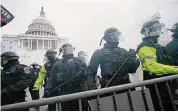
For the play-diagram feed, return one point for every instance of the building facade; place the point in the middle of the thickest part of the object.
(40, 35)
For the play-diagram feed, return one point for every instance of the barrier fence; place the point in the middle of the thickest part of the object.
(130, 100)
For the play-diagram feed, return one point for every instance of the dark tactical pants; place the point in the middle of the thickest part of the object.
(6, 100)
(51, 107)
(164, 96)
(162, 92)
(74, 104)
(34, 94)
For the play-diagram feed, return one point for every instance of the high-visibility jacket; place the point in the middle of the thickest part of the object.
(148, 56)
(41, 78)
(44, 75)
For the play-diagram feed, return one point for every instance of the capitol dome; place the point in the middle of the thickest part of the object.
(40, 26)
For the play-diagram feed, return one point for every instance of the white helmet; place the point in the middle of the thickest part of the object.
(152, 28)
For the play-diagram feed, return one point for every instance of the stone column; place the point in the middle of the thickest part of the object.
(48, 44)
(28, 44)
(37, 44)
(43, 44)
(31, 44)
(22, 44)
(56, 44)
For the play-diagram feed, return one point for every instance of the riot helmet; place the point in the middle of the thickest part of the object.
(111, 35)
(152, 28)
(50, 55)
(67, 49)
(8, 57)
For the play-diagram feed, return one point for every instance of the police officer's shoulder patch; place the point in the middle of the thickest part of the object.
(26, 70)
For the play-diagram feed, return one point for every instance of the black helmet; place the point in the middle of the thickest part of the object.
(8, 56)
(111, 35)
(51, 54)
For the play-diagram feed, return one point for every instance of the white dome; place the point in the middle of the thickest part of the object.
(40, 26)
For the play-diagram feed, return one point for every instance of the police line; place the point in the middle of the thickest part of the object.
(80, 95)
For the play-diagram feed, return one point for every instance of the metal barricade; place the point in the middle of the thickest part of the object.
(130, 100)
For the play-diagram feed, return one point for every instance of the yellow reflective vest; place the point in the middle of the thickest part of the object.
(148, 57)
(41, 78)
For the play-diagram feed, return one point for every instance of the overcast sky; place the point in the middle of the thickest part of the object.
(84, 21)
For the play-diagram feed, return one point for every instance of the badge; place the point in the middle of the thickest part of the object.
(26, 70)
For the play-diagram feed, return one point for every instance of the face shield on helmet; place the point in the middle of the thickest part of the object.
(152, 28)
(111, 36)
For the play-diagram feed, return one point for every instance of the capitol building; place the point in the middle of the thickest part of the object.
(32, 45)
(40, 35)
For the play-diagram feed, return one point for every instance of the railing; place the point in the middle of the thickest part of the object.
(78, 96)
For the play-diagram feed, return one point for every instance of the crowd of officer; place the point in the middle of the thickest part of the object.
(72, 74)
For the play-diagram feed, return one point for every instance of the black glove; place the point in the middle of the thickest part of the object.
(5, 91)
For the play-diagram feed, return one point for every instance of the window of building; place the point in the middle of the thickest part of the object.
(25, 43)
(45, 44)
(34, 44)
(40, 44)
(53, 44)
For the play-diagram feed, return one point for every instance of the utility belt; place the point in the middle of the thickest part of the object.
(118, 80)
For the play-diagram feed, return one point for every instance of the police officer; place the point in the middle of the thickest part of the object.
(115, 62)
(15, 78)
(155, 63)
(45, 75)
(172, 47)
(34, 68)
(68, 77)
(172, 50)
